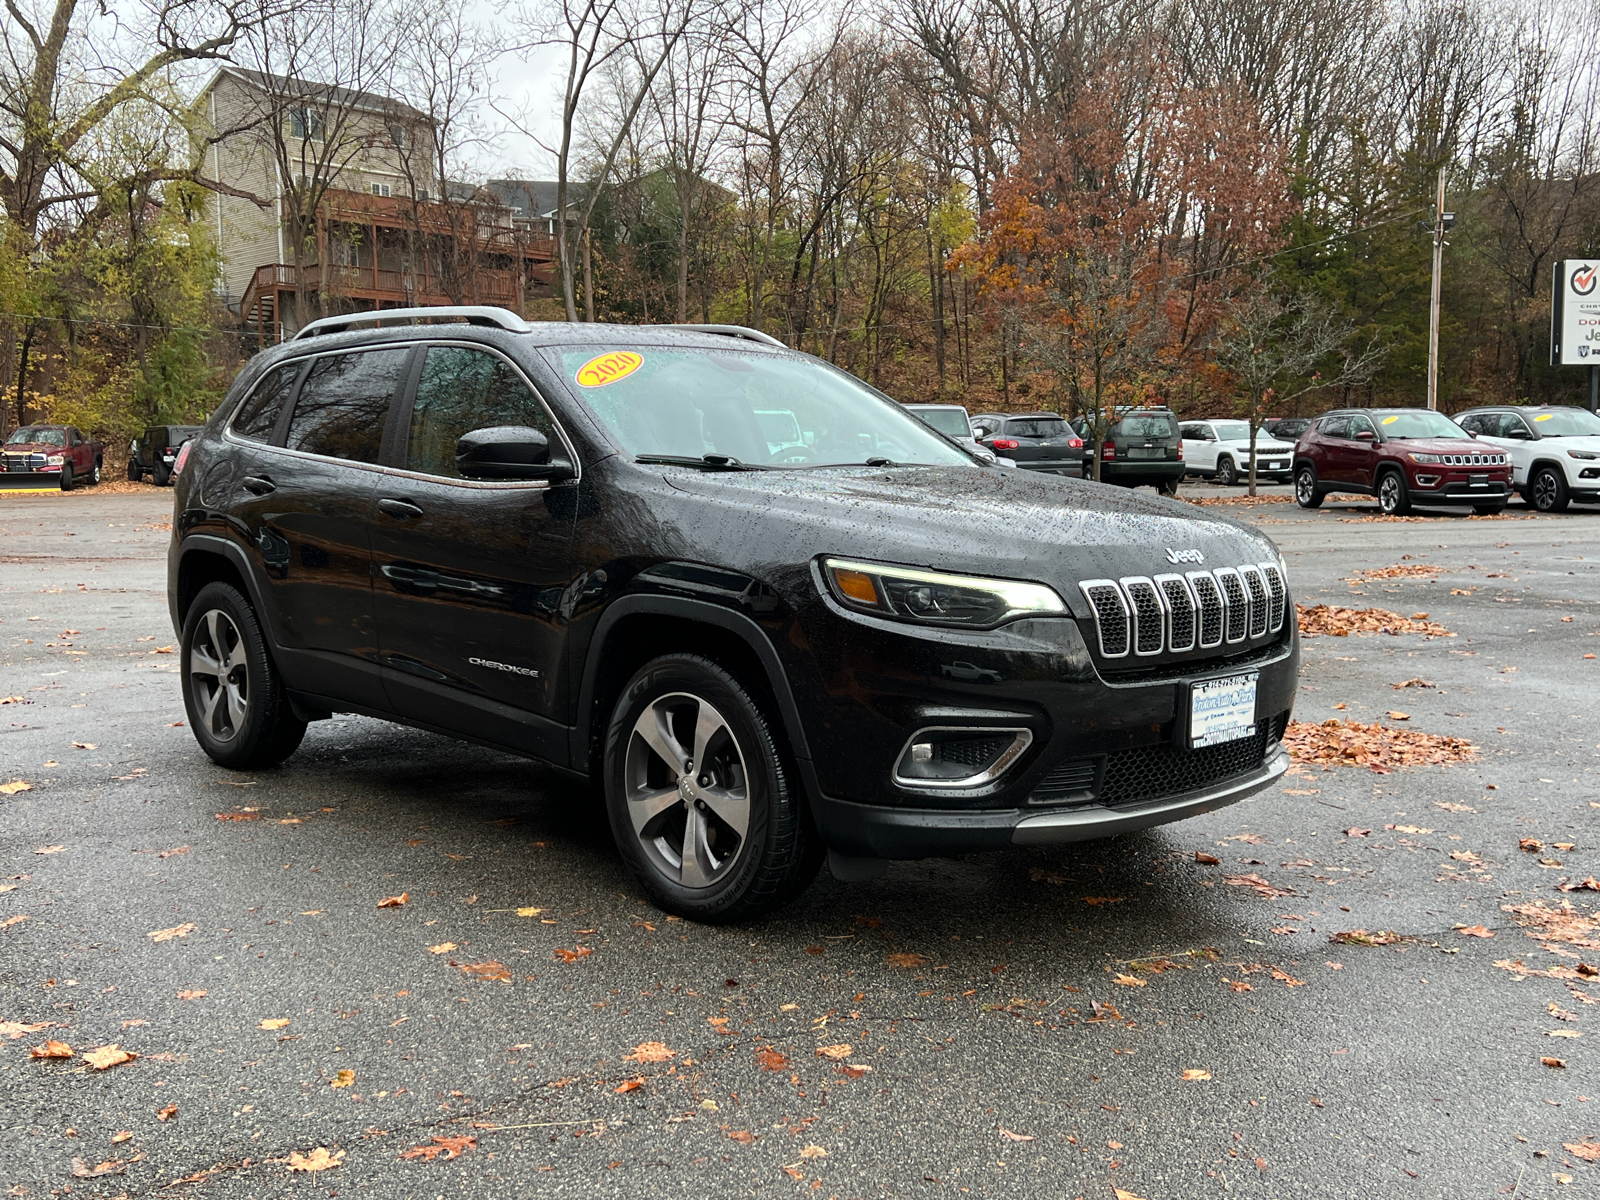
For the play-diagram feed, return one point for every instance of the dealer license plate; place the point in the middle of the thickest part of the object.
(1222, 710)
(1478, 480)
(1146, 452)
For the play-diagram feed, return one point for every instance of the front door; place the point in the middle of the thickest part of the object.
(307, 503)
(470, 575)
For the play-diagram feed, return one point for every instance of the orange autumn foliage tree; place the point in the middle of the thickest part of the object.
(1120, 232)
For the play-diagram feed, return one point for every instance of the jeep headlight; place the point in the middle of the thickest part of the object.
(934, 598)
(1586, 454)
(1425, 458)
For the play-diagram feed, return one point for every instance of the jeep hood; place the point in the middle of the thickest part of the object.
(1012, 524)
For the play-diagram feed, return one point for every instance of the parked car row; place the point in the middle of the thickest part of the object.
(60, 454)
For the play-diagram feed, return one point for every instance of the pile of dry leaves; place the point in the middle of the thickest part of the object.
(1210, 500)
(1402, 571)
(1379, 747)
(1333, 620)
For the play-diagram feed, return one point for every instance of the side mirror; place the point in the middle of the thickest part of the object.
(1518, 434)
(1366, 435)
(509, 452)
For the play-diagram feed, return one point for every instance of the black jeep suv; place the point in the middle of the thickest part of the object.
(771, 614)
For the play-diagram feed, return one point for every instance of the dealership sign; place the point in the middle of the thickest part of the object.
(1575, 313)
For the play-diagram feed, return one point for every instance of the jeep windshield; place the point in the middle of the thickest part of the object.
(1567, 422)
(39, 437)
(1418, 423)
(747, 409)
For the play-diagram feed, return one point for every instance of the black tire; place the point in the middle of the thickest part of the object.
(66, 477)
(778, 852)
(1488, 510)
(134, 474)
(94, 476)
(1169, 487)
(1547, 491)
(1306, 492)
(1227, 474)
(1394, 498)
(231, 687)
(160, 476)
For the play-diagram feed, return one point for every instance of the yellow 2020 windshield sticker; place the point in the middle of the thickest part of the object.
(1544, 416)
(1390, 420)
(608, 368)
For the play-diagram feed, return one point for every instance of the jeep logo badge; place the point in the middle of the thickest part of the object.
(1185, 556)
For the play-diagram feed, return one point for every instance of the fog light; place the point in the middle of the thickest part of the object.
(1589, 473)
(959, 758)
(1427, 480)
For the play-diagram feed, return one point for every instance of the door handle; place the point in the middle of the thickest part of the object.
(258, 484)
(401, 510)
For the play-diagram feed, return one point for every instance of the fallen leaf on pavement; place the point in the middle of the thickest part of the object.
(819, 1152)
(1196, 1073)
(49, 849)
(16, 1029)
(343, 1079)
(103, 1057)
(629, 1085)
(836, 1052)
(1417, 683)
(1104, 1012)
(85, 746)
(1395, 715)
(529, 911)
(1588, 1149)
(1262, 887)
(442, 948)
(15, 786)
(51, 1049)
(1378, 747)
(743, 1136)
(485, 970)
(569, 956)
(650, 1052)
(1531, 845)
(903, 959)
(121, 1136)
(1103, 899)
(194, 995)
(1287, 979)
(177, 931)
(1206, 860)
(82, 1170)
(1122, 1195)
(853, 1070)
(1360, 937)
(1129, 980)
(1239, 986)
(1591, 884)
(1333, 620)
(1566, 1033)
(771, 1060)
(1475, 931)
(318, 1160)
(167, 1113)
(273, 1023)
(1015, 1137)
(1558, 1063)
(1357, 831)
(16, 920)
(394, 901)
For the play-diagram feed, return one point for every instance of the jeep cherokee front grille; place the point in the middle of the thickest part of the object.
(1179, 613)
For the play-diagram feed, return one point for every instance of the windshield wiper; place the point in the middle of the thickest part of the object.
(717, 462)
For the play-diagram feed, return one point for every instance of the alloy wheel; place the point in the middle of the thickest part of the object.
(220, 675)
(687, 789)
(1389, 493)
(1544, 491)
(1304, 486)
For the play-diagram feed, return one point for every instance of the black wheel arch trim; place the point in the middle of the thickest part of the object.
(704, 612)
(208, 543)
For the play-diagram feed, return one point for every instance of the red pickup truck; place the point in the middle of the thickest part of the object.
(53, 452)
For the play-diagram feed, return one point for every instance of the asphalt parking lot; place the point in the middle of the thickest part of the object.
(1113, 1018)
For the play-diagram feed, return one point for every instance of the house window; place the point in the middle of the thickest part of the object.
(305, 124)
(380, 189)
(397, 136)
(422, 195)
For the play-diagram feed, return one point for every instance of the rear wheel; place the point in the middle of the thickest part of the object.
(134, 474)
(66, 477)
(1306, 492)
(1227, 473)
(704, 809)
(1169, 486)
(94, 476)
(1548, 491)
(1394, 498)
(231, 688)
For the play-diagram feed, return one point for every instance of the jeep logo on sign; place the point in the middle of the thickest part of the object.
(1185, 556)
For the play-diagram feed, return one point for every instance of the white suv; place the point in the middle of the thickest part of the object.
(1554, 450)
(1221, 450)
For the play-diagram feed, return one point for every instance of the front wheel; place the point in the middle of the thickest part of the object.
(1393, 496)
(1306, 492)
(134, 474)
(231, 688)
(66, 477)
(1548, 491)
(705, 811)
(1227, 474)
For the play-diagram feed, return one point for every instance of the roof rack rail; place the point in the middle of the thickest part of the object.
(738, 331)
(472, 314)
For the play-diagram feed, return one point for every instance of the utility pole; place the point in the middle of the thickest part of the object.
(1443, 222)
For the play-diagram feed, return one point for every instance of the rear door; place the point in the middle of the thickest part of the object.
(306, 497)
(472, 576)
(1199, 447)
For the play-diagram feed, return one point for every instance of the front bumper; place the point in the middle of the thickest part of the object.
(1454, 491)
(870, 831)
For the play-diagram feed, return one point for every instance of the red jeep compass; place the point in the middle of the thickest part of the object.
(1403, 456)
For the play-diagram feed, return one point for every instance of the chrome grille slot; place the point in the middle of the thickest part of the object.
(1213, 608)
(1258, 600)
(1277, 592)
(1149, 618)
(1238, 600)
(1110, 615)
(1180, 612)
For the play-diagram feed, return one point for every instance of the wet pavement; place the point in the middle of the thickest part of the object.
(1066, 1022)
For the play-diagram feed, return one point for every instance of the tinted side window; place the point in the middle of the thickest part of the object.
(1360, 424)
(258, 415)
(344, 403)
(1334, 427)
(462, 389)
